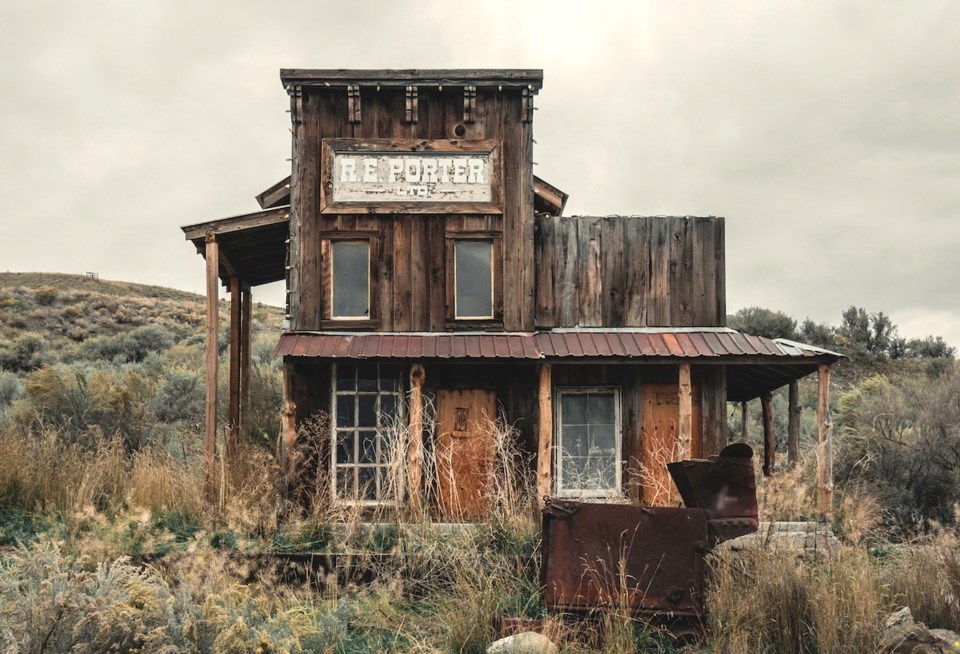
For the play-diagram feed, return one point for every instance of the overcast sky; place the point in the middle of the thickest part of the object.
(827, 133)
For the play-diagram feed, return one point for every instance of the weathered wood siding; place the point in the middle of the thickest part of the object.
(629, 271)
(409, 269)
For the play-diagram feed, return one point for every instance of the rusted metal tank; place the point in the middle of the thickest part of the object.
(648, 558)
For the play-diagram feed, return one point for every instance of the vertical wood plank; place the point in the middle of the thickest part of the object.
(210, 417)
(288, 428)
(402, 300)
(415, 449)
(612, 269)
(545, 249)
(590, 282)
(744, 422)
(437, 254)
(513, 163)
(825, 444)
(419, 276)
(636, 244)
(567, 264)
(524, 199)
(720, 282)
(769, 452)
(685, 421)
(545, 432)
(246, 317)
(793, 424)
(307, 209)
(385, 285)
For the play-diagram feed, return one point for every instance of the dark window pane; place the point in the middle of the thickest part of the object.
(367, 377)
(345, 486)
(603, 439)
(600, 409)
(388, 408)
(367, 480)
(389, 377)
(346, 377)
(474, 279)
(345, 414)
(575, 441)
(351, 277)
(368, 410)
(368, 447)
(345, 447)
(574, 409)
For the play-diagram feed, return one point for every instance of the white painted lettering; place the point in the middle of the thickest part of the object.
(396, 168)
(429, 171)
(348, 170)
(370, 171)
(459, 171)
(476, 171)
(443, 165)
(412, 170)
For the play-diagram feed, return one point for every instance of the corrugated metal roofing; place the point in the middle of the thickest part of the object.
(557, 344)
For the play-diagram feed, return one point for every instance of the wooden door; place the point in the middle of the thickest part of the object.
(464, 452)
(660, 415)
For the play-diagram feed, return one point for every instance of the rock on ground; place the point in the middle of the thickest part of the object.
(903, 635)
(527, 642)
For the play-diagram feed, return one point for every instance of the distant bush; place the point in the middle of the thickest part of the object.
(904, 441)
(23, 354)
(180, 396)
(763, 322)
(131, 347)
(11, 388)
(46, 295)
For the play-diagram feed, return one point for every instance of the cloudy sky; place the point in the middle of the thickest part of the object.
(827, 133)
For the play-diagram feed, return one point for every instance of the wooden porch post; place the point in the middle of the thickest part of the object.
(744, 423)
(793, 425)
(288, 428)
(685, 426)
(415, 451)
(769, 453)
(245, 318)
(825, 445)
(545, 433)
(233, 422)
(210, 418)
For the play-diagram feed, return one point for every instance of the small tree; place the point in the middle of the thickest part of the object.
(763, 322)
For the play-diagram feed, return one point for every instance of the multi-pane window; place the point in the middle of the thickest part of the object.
(588, 442)
(473, 279)
(350, 279)
(367, 409)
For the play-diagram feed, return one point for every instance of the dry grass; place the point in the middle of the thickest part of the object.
(926, 577)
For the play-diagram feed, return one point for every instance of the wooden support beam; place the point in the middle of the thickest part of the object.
(210, 418)
(233, 413)
(769, 453)
(744, 422)
(825, 444)
(545, 432)
(288, 430)
(685, 420)
(415, 449)
(246, 316)
(793, 425)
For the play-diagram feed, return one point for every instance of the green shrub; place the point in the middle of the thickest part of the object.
(180, 396)
(25, 353)
(46, 295)
(11, 388)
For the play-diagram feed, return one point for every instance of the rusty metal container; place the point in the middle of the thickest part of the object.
(648, 558)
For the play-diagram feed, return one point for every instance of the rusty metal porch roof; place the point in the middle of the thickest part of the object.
(639, 343)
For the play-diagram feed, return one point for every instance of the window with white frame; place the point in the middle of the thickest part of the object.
(367, 408)
(350, 280)
(588, 459)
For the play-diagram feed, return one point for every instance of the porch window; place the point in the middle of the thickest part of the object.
(367, 409)
(588, 442)
(473, 275)
(350, 279)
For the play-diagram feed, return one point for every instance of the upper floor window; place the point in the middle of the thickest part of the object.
(350, 280)
(473, 279)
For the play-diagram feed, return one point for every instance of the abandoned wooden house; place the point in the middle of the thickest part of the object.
(433, 283)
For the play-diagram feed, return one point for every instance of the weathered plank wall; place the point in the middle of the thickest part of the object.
(410, 267)
(629, 271)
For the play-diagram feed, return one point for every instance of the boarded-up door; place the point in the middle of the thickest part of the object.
(464, 451)
(660, 416)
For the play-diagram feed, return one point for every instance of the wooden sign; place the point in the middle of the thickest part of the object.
(411, 176)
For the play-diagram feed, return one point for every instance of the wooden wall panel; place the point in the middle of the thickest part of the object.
(627, 271)
(411, 266)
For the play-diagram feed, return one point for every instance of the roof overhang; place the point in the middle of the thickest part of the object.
(755, 365)
(528, 78)
(252, 246)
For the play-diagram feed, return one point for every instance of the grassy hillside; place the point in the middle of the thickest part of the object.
(101, 403)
